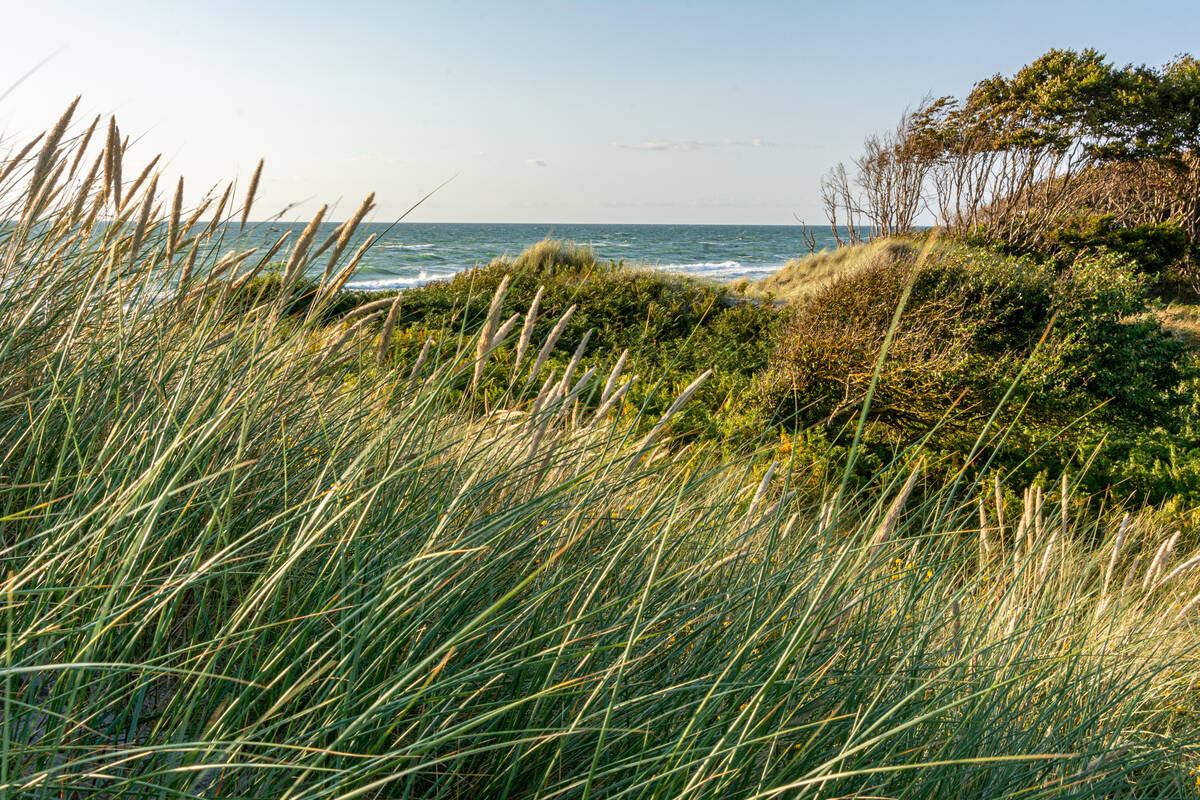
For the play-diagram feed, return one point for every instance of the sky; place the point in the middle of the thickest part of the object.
(644, 111)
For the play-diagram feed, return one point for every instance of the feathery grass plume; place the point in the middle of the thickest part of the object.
(139, 232)
(576, 357)
(761, 492)
(228, 263)
(297, 262)
(505, 329)
(893, 514)
(1185, 567)
(483, 347)
(137, 184)
(49, 188)
(345, 272)
(1159, 562)
(551, 340)
(999, 508)
(985, 547)
(613, 376)
(218, 218)
(332, 350)
(1116, 552)
(49, 152)
(11, 163)
(185, 277)
(113, 153)
(82, 146)
(1065, 507)
(173, 225)
(611, 401)
(421, 357)
(81, 194)
(250, 190)
(367, 308)
(1038, 517)
(344, 233)
(539, 402)
(385, 335)
(671, 411)
(527, 331)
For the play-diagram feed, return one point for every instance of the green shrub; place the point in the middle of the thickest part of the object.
(1155, 249)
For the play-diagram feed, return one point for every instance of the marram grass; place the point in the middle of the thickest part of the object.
(236, 564)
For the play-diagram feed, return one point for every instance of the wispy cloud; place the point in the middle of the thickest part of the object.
(692, 144)
(536, 162)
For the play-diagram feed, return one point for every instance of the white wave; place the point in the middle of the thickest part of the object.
(407, 246)
(703, 266)
(377, 284)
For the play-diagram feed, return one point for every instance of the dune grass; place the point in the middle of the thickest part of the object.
(247, 554)
(802, 278)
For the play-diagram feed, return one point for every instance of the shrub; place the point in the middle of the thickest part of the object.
(1154, 249)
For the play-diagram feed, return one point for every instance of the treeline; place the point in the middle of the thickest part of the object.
(1072, 152)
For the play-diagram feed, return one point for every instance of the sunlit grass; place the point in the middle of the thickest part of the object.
(250, 555)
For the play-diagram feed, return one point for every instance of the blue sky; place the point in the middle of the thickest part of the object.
(545, 112)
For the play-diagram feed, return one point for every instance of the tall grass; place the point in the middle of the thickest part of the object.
(801, 278)
(247, 554)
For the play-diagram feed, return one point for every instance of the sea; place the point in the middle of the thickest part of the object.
(410, 254)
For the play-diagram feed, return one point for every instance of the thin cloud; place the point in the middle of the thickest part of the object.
(536, 162)
(692, 144)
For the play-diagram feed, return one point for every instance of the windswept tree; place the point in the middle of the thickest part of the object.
(1070, 135)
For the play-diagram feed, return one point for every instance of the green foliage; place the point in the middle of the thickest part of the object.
(673, 328)
(1153, 248)
(981, 327)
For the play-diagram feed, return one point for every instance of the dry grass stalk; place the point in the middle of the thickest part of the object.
(1116, 553)
(81, 195)
(614, 376)
(505, 330)
(575, 359)
(173, 225)
(49, 152)
(367, 308)
(82, 147)
(1065, 509)
(350, 331)
(527, 331)
(893, 513)
(551, 340)
(137, 184)
(10, 164)
(344, 233)
(761, 492)
(113, 153)
(345, 272)
(420, 362)
(483, 346)
(683, 397)
(250, 193)
(1185, 567)
(385, 336)
(139, 232)
(999, 508)
(1159, 562)
(985, 547)
(296, 263)
(1038, 527)
(615, 397)
(541, 400)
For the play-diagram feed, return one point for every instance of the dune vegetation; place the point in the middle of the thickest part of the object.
(559, 529)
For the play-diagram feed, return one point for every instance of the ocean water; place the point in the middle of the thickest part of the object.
(409, 254)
